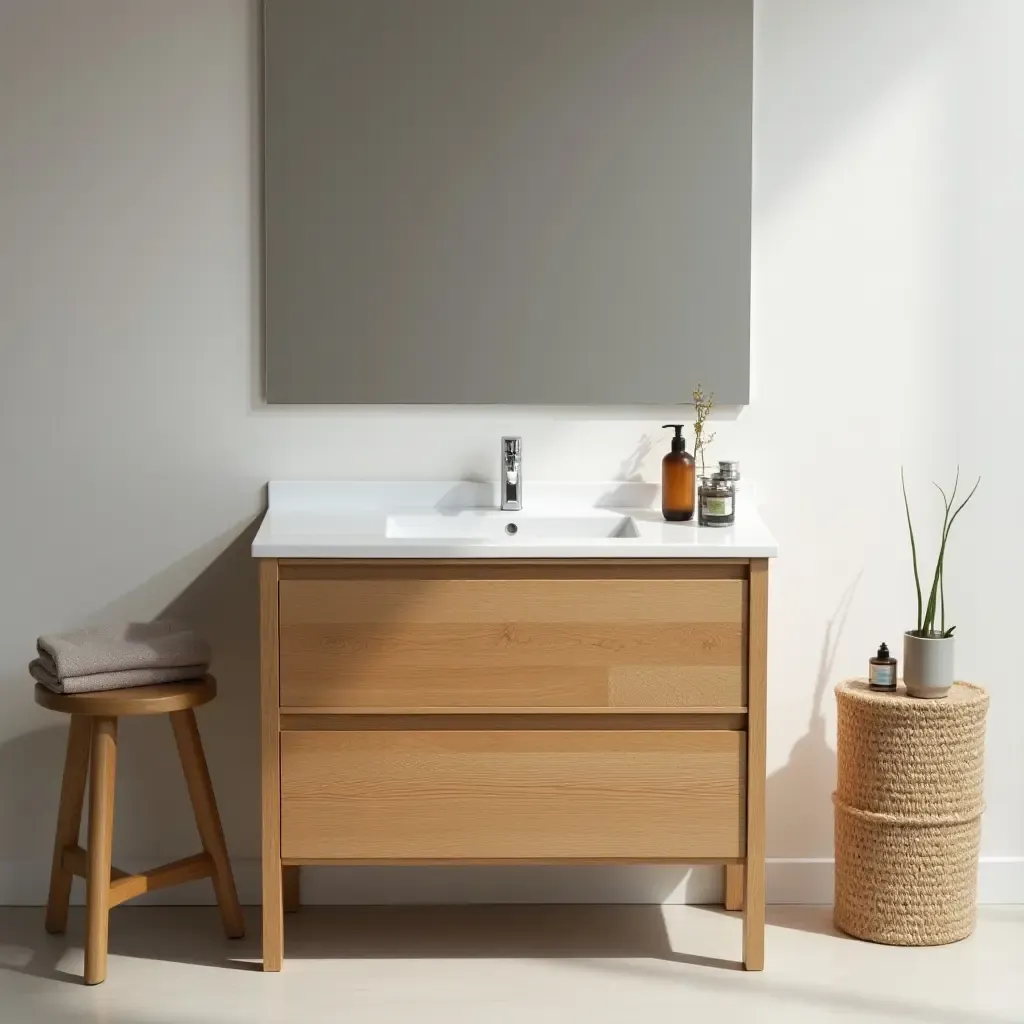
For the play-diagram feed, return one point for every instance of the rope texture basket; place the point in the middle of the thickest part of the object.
(908, 807)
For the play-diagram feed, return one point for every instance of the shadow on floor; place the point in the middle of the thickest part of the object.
(597, 942)
(188, 935)
(817, 920)
(192, 935)
(488, 932)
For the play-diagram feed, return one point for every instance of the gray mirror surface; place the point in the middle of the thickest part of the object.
(507, 201)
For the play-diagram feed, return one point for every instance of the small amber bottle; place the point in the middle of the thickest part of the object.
(678, 474)
(882, 670)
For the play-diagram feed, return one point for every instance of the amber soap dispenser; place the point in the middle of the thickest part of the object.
(678, 475)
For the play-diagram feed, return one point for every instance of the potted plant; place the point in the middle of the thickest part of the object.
(928, 650)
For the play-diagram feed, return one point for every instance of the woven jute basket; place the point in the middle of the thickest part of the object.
(908, 807)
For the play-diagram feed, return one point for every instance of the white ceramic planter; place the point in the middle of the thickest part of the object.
(928, 665)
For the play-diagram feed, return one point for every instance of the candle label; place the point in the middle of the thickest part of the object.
(718, 506)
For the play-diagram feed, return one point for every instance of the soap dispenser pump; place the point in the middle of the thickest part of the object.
(678, 475)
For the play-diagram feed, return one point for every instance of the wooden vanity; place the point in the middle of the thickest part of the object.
(513, 711)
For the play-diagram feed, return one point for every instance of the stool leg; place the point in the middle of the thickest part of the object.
(204, 805)
(69, 822)
(734, 886)
(101, 834)
(291, 885)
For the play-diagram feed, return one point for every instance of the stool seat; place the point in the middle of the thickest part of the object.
(154, 699)
(92, 755)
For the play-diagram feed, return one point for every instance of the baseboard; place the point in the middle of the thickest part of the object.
(790, 880)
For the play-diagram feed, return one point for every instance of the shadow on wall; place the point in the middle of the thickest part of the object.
(155, 820)
(218, 596)
(828, 65)
(798, 796)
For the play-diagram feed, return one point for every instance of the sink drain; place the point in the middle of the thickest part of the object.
(511, 529)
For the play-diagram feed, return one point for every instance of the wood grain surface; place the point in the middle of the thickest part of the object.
(754, 873)
(512, 794)
(404, 644)
(270, 760)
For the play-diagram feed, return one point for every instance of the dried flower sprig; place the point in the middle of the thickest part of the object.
(701, 437)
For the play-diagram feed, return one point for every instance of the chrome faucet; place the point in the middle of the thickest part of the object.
(511, 474)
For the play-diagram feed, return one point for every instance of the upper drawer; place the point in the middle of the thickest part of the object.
(401, 644)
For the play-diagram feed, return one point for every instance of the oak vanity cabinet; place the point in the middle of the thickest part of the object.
(513, 711)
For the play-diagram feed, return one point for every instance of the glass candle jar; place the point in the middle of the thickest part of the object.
(702, 483)
(717, 501)
(730, 470)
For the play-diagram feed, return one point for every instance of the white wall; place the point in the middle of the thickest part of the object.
(133, 447)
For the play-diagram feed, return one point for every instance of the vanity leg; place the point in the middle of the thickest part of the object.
(270, 782)
(291, 884)
(273, 914)
(757, 686)
(754, 917)
(733, 886)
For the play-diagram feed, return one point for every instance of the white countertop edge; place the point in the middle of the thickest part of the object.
(272, 547)
(305, 520)
(419, 550)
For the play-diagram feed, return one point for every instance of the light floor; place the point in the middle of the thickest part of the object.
(495, 965)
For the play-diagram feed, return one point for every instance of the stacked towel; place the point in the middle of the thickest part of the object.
(113, 657)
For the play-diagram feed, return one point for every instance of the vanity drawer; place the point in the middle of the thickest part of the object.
(491, 643)
(512, 795)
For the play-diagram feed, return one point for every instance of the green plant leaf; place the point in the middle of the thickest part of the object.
(947, 527)
(948, 633)
(913, 548)
(942, 602)
(960, 507)
(929, 615)
(929, 612)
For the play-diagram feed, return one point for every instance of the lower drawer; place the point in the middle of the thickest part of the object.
(512, 795)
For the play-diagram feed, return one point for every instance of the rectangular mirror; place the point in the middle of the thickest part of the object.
(507, 201)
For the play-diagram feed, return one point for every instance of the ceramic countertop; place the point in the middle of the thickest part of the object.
(339, 519)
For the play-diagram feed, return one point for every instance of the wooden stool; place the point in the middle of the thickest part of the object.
(92, 741)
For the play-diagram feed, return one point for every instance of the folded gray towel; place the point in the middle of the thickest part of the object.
(114, 680)
(132, 645)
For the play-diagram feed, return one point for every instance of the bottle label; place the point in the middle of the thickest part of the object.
(718, 506)
(882, 677)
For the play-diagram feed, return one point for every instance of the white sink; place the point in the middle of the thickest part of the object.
(489, 526)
